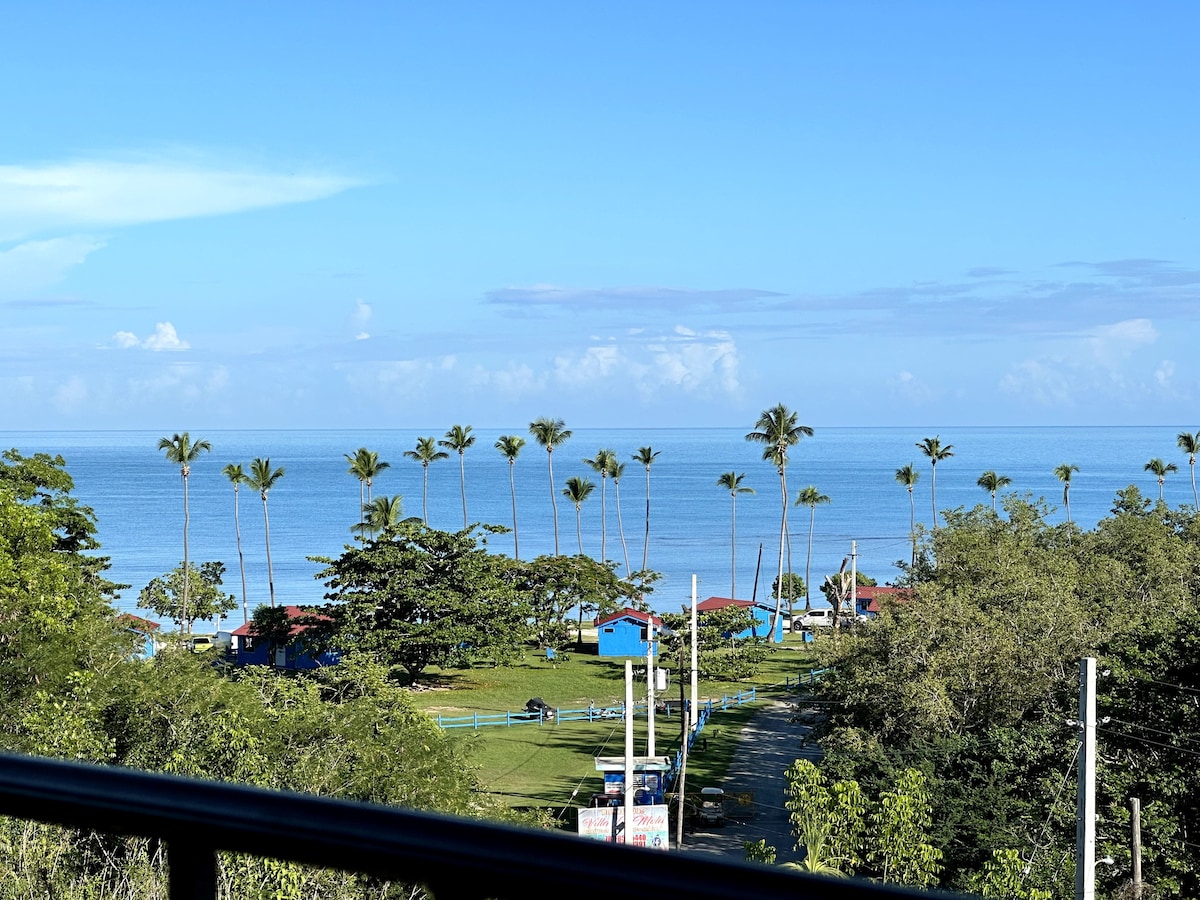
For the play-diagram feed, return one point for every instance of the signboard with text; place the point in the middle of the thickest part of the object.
(650, 826)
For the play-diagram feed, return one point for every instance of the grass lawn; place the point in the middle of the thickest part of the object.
(551, 765)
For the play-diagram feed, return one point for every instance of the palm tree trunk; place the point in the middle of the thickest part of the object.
(237, 529)
(933, 492)
(579, 527)
(512, 487)
(646, 541)
(184, 625)
(425, 494)
(1195, 496)
(912, 522)
(362, 505)
(1067, 500)
(603, 518)
(553, 501)
(782, 540)
(732, 546)
(812, 519)
(267, 531)
(621, 527)
(462, 481)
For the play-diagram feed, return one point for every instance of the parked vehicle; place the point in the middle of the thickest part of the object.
(201, 643)
(712, 806)
(537, 707)
(817, 618)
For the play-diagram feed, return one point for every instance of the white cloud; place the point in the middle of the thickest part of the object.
(71, 394)
(164, 338)
(1164, 373)
(36, 265)
(1118, 340)
(92, 193)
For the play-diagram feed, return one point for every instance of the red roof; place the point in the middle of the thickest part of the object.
(129, 620)
(872, 594)
(293, 612)
(723, 602)
(631, 613)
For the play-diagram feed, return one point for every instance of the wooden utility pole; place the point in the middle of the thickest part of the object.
(683, 753)
(1085, 807)
(1135, 844)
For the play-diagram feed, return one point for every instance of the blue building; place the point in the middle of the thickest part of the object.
(146, 632)
(762, 617)
(248, 650)
(630, 632)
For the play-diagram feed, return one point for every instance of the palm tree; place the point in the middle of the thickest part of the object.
(181, 451)
(814, 838)
(932, 447)
(458, 439)
(646, 456)
(991, 482)
(810, 497)
(1190, 444)
(365, 465)
(237, 477)
(1161, 470)
(578, 490)
(908, 476)
(601, 463)
(550, 433)
(1063, 474)
(510, 446)
(615, 471)
(262, 479)
(426, 452)
(778, 430)
(382, 513)
(732, 482)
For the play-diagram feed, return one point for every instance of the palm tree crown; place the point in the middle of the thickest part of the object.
(602, 462)
(991, 482)
(908, 476)
(238, 477)
(550, 433)
(365, 465)
(936, 451)
(645, 457)
(425, 452)
(262, 479)
(1063, 474)
(1160, 469)
(459, 439)
(1190, 444)
(811, 498)
(510, 446)
(578, 490)
(382, 513)
(180, 449)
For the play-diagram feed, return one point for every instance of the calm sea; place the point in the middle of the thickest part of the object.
(137, 496)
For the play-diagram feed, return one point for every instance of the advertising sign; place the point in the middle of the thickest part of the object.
(650, 826)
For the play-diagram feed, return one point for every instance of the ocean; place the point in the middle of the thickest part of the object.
(138, 499)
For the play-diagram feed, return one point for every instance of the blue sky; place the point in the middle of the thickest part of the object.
(623, 214)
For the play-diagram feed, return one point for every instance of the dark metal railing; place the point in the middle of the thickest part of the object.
(458, 859)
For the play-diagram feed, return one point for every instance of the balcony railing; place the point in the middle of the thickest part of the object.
(457, 859)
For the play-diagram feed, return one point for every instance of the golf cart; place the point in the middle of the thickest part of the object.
(712, 806)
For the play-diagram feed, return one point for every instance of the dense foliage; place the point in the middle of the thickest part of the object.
(974, 681)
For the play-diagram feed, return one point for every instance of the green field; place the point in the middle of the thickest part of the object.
(551, 765)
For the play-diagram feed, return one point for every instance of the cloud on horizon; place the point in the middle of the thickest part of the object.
(164, 338)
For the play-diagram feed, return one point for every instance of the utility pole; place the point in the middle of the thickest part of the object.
(1085, 807)
(683, 751)
(628, 747)
(1135, 844)
(853, 611)
(694, 712)
(651, 672)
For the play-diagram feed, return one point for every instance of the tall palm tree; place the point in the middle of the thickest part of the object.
(182, 451)
(550, 433)
(778, 429)
(237, 477)
(458, 439)
(908, 476)
(382, 513)
(1190, 444)
(601, 463)
(991, 482)
(646, 456)
(1063, 474)
(936, 451)
(426, 452)
(262, 479)
(810, 497)
(1160, 469)
(578, 490)
(732, 482)
(616, 470)
(365, 465)
(510, 446)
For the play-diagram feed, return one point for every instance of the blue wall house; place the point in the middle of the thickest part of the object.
(762, 617)
(867, 598)
(248, 650)
(625, 633)
(145, 631)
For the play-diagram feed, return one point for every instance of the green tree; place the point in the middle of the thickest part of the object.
(811, 498)
(602, 463)
(1190, 444)
(425, 452)
(182, 451)
(732, 482)
(551, 433)
(365, 465)
(1160, 470)
(645, 457)
(553, 587)
(382, 513)
(510, 446)
(900, 826)
(1063, 474)
(417, 597)
(578, 490)
(991, 482)
(237, 477)
(936, 452)
(164, 595)
(727, 645)
(262, 479)
(616, 471)
(778, 429)
(459, 439)
(908, 476)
